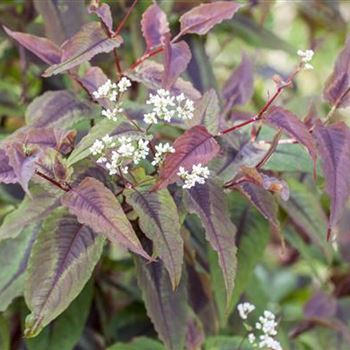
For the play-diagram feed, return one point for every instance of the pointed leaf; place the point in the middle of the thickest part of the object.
(154, 25)
(96, 206)
(337, 86)
(103, 11)
(62, 260)
(88, 42)
(166, 308)
(209, 203)
(333, 144)
(195, 146)
(45, 49)
(7, 174)
(159, 221)
(204, 17)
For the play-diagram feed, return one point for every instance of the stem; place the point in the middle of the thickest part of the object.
(122, 23)
(238, 126)
(145, 56)
(52, 181)
(270, 151)
(336, 105)
(117, 62)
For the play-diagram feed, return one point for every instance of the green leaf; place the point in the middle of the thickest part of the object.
(141, 343)
(226, 343)
(65, 331)
(159, 221)
(166, 308)
(5, 336)
(62, 260)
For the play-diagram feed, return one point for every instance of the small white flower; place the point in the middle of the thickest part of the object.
(126, 149)
(106, 90)
(123, 84)
(112, 114)
(268, 342)
(150, 118)
(161, 149)
(125, 169)
(141, 151)
(197, 175)
(251, 338)
(97, 148)
(244, 309)
(306, 57)
(267, 323)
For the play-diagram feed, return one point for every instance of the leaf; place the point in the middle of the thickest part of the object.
(221, 342)
(103, 11)
(14, 254)
(154, 25)
(65, 331)
(62, 260)
(87, 43)
(31, 210)
(204, 17)
(206, 112)
(333, 143)
(159, 221)
(176, 59)
(96, 206)
(195, 146)
(166, 308)
(195, 334)
(337, 87)
(238, 89)
(150, 74)
(209, 203)
(56, 108)
(137, 344)
(7, 174)
(45, 49)
(5, 335)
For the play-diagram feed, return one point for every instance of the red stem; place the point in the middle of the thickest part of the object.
(122, 23)
(145, 56)
(65, 188)
(238, 126)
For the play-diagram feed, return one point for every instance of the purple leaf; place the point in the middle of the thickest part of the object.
(166, 308)
(159, 221)
(7, 174)
(154, 26)
(96, 206)
(282, 119)
(103, 11)
(337, 86)
(333, 143)
(321, 305)
(238, 88)
(151, 73)
(84, 45)
(204, 17)
(195, 146)
(209, 203)
(56, 108)
(195, 336)
(176, 58)
(62, 260)
(45, 49)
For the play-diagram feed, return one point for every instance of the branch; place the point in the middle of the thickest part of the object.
(65, 187)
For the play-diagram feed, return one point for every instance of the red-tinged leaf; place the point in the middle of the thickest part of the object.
(56, 108)
(209, 203)
(195, 336)
(321, 305)
(282, 119)
(239, 87)
(45, 49)
(195, 146)
(159, 221)
(204, 17)
(96, 206)
(151, 73)
(62, 260)
(84, 45)
(176, 59)
(7, 174)
(166, 308)
(333, 144)
(337, 86)
(154, 26)
(103, 11)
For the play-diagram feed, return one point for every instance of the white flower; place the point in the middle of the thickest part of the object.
(112, 114)
(251, 338)
(141, 151)
(244, 309)
(125, 169)
(267, 323)
(123, 84)
(107, 90)
(97, 148)
(150, 118)
(306, 57)
(268, 342)
(126, 149)
(161, 149)
(197, 175)
(185, 110)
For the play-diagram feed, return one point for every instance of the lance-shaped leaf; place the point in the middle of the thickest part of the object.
(44, 199)
(88, 42)
(204, 17)
(209, 203)
(103, 11)
(14, 255)
(159, 221)
(62, 260)
(195, 146)
(337, 88)
(282, 119)
(7, 174)
(45, 49)
(239, 87)
(333, 144)
(154, 25)
(166, 308)
(56, 108)
(176, 59)
(96, 206)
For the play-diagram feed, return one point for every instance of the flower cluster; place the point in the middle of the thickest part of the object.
(266, 327)
(198, 175)
(166, 107)
(306, 57)
(161, 150)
